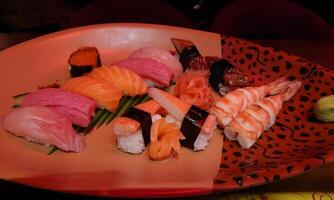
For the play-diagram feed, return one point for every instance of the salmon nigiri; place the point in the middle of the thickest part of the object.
(127, 81)
(106, 94)
(248, 125)
(43, 125)
(197, 125)
(230, 105)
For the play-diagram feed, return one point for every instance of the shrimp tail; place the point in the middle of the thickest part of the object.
(278, 85)
(292, 89)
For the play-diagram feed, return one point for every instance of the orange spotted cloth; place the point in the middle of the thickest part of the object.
(296, 143)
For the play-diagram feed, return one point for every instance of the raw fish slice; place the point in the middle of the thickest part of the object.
(148, 69)
(43, 125)
(160, 55)
(76, 117)
(78, 108)
(249, 124)
(127, 81)
(106, 94)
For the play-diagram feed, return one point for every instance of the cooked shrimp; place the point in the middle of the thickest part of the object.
(164, 140)
(125, 126)
(248, 125)
(229, 106)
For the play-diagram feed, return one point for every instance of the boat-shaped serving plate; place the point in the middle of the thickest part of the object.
(295, 144)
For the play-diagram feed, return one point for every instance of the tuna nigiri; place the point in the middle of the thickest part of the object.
(230, 105)
(106, 94)
(197, 125)
(248, 125)
(43, 125)
(160, 55)
(127, 81)
(148, 68)
(78, 108)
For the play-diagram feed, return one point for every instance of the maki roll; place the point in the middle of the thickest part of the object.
(133, 129)
(84, 60)
(196, 124)
(223, 75)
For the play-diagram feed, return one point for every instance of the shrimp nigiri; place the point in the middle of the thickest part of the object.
(229, 106)
(248, 125)
(106, 94)
(124, 79)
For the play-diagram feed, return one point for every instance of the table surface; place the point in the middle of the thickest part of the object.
(320, 179)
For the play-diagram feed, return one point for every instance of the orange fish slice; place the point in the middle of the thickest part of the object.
(124, 79)
(106, 94)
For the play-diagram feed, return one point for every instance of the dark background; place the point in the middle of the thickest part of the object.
(49, 16)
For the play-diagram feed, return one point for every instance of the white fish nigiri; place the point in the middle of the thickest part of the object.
(43, 125)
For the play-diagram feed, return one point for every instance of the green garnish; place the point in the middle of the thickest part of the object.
(18, 99)
(52, 150)
(16, 106)
(123, 101)
(103, 118)
(125, 107)
(20, 95)
(95, 120)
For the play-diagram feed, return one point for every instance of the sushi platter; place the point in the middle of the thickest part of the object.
(139, 110)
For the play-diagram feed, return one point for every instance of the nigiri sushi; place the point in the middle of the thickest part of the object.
(230, 105)
(106, 94)
(78, 108)
(132, 130)
(148, 68)
(127, 81)
(43, 125)
(160, 55)
(197, 125)
(248, 125)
